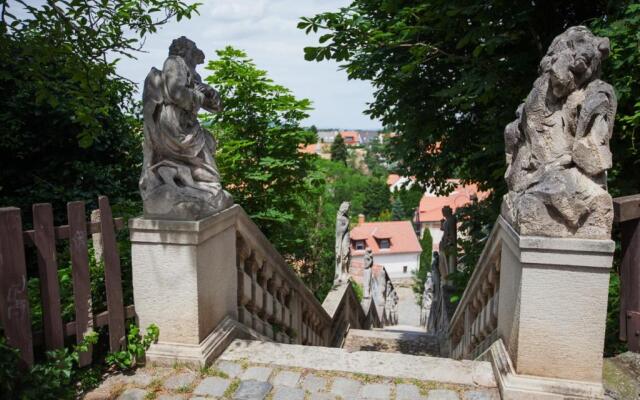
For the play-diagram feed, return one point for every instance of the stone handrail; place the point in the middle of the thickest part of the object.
(207, 282)
(473, 326)
(346, 312)
(271, 295)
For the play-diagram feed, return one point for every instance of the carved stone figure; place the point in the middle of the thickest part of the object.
(557, 149)
(180, 179)
(343, 244)
(367, 273)
(448, 244)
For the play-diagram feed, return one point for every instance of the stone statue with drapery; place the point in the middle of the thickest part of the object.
(180, 179)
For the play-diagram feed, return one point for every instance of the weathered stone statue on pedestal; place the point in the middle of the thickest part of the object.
(367, 273)
(557, 149)
(180, 179)
(343, 244)
(448, 244)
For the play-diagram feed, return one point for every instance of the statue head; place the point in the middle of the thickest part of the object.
(368, 251)
(573, 59)
(447, 211)
(187, 49)
(344, 208)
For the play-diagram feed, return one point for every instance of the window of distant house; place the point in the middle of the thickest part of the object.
(359, 244)
(404, 269)
(384, 243)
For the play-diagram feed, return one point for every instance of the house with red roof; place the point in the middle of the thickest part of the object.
(351, 138)
(394, 244)
(429, 212)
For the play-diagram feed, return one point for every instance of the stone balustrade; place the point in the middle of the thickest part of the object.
(272, 300)
(524, 303)
(207, 282)
(473, 327)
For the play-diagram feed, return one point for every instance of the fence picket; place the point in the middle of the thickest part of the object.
(80, 273)
(113, 279)
(15, 313)
(48, 273)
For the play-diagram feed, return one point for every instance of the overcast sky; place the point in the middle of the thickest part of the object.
(266, 30)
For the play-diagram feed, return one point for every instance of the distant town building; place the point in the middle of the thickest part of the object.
(367, 137)
(429, 212)
(397, 182)
(327, 136)
(394, 244)
(351, 138)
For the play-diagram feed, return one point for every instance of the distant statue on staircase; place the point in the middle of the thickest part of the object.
(448, 248)
(343, 244)
(367, 273)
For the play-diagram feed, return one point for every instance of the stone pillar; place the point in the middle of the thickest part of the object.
(185, 282)
(553, 304)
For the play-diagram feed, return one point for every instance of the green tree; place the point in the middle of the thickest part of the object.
(410, 198)
(258, 153)
(339, 150)
(397, 210)
(377, 198)
(70, 128)
(425, 265)
(449, 75)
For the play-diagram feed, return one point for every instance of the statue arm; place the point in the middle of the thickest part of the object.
(176, 80)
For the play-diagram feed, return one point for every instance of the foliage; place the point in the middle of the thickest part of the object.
(377, 198)
(612, 343)
(397, 210)
(410, 198)
(622, 69)
(358, 290)
(425, 266)
(259, 137)
(137, 345)
(375, 159)
(51, 379)
(70, 127)
(71, 40)
(339, 150)
(449, 75)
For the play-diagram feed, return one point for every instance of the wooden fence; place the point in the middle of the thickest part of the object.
(15, 310)
(627, 215)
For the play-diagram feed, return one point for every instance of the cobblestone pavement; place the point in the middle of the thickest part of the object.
(244, 381)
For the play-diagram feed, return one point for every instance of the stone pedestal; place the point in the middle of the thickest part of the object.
(553, 304)
(185, 282)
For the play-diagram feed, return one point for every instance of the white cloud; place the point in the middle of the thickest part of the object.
(266, 30)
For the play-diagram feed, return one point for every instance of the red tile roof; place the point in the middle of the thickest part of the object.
(430, 208)
(401, 235)
(392, 179)
(309, 149)
(350, 137)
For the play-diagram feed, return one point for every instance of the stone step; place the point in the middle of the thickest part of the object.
(390, 365)
(271, 371)
(413, 342)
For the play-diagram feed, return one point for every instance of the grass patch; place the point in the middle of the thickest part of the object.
(231, 389)
(213, 371)
(150, 396)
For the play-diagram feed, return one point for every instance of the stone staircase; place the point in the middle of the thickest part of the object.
(259, 370)
(405, 339)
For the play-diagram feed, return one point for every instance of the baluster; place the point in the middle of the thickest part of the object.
(244, 281)
(257, 293)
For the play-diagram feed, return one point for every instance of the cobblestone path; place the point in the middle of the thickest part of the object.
(245, 381)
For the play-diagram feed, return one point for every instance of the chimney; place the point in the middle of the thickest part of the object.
(360, 219)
